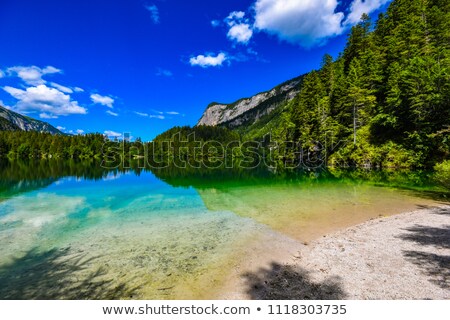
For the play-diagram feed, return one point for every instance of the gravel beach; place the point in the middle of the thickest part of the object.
(406, 256)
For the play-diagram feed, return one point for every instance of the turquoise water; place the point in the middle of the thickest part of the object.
(120, 235)
(148, 234)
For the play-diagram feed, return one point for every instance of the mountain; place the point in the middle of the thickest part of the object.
(247, 111)
(12, 121)
(6, 125)
(383, 102)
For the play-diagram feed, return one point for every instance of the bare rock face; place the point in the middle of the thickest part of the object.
(213, 115)
(14, 121)
(250, 109)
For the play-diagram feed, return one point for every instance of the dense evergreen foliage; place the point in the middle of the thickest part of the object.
(442, 174)
(387, 95)
(37, 145)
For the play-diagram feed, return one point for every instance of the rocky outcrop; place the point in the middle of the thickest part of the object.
(249, 110)
(11, 120)
(5, 125)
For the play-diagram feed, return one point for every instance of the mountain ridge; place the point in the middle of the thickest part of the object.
(249, 110)
(13, 121)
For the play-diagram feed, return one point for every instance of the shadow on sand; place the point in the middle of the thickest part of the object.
(428, 236)
(437, 267)
(58, 274)
(286, 282)
(436, 209)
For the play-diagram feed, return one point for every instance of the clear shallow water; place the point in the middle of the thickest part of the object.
(124, 235)
(138, 231)
(306, 211)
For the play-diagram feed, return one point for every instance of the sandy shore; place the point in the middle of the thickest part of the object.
(406, 256)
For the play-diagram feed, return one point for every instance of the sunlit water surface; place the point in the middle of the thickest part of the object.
(128, 236)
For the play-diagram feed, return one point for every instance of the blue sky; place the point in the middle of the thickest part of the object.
(145, 66)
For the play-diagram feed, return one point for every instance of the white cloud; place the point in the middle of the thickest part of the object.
(157, 116)
(110, 133)
(241, 33)
(50, 102)
(112, 113)
(208, 60)
(163, 72)
(141, 114)
(358, 7)
(79, 131)
(45, 115)
(103, 100)
(154, 11)
(233, 17)
(240, 29)
(32, 75)
(61, 88)
(308, 22)
(2, 74)
(13, 91)
(215, 23)
(173, 113)
(50, 69)
(61, 128)
(298, 21)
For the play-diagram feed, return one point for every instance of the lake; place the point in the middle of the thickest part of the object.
(77, 231)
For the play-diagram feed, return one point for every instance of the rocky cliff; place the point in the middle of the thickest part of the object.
(249, 110)
(5, 125)
(10, 120)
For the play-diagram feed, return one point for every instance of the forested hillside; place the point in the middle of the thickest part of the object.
(38, 145)
(384, 102)
(387, 95)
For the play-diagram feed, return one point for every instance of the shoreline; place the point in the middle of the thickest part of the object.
(404, 256)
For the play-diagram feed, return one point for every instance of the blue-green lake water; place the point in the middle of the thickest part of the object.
(121, 235)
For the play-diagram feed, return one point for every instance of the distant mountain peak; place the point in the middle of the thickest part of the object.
(247, 111)
(13, 121)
